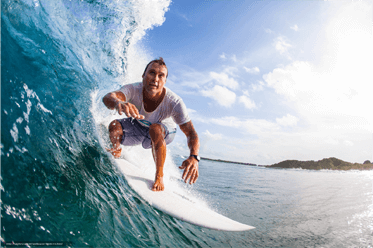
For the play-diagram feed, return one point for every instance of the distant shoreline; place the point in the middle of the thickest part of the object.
(324, 164)
(226, 161)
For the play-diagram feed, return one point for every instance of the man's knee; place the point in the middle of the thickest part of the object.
(156, 131)
(115, 126)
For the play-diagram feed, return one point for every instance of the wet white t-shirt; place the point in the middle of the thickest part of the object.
(170, 111)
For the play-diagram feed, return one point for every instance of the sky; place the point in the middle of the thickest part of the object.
(267, 81)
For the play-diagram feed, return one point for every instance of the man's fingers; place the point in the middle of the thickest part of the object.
(119, 108)
(195, 177)
(188, 176)
(191, 172)
(185, 172)
(131, 111)
(127, 110)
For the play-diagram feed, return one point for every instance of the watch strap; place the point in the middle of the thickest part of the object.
(196, 157)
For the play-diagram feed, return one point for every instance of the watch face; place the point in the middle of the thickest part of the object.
(196, 157)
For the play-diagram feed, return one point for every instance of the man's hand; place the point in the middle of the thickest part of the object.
(129, 109)
(190, 167)
(117, 100)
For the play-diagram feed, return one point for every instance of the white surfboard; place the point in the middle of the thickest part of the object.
(176, 204)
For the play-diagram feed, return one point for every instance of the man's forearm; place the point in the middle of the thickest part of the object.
(193, 143)
(111, 99)
(192, 137)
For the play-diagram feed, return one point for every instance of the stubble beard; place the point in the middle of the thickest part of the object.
(153, 91)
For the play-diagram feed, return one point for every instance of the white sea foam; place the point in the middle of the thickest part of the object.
(27, 129)
(28, 106)
(14, 132)
(41, 106)
(19, 120)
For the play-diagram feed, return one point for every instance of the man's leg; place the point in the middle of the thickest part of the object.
(157, 134)
(115, 134)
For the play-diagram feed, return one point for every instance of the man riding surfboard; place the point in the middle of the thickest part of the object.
(152, 112)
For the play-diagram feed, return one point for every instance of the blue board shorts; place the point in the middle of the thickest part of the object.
(135, 134)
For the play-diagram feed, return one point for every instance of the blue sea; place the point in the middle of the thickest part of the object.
(60, 186)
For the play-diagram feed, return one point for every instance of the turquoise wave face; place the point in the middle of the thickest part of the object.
(58, 183)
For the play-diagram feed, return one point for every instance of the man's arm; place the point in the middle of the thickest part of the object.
(112, 99)
(190, 165)
(117, 100)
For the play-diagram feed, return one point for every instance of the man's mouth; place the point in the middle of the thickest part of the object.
(154, 85)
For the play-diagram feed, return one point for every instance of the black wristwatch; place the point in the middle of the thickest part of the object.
(196, 157)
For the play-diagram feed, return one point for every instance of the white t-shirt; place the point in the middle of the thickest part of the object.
(170, 111)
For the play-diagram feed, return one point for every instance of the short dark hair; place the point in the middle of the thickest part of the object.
(159, 61)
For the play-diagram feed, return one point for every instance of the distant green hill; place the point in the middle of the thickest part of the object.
(326, 163)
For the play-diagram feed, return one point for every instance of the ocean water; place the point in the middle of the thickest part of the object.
(58, 185)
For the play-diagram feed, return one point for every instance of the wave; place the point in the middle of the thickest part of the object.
(58, 184)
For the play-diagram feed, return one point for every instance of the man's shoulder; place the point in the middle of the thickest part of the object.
(172, 96)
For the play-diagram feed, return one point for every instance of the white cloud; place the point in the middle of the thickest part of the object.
(186, 78)
(225, 80)
(223, 56)
(329, 97)
(231, 70)
(268, 31)
(191, 111)
(248, 126)
(221, 95)
(254, 70)
(293, 80)
(257, 87)
(265, 142)
(205, 138)
(287, 121)
(249, 104)
(295, 27)
(211, 136)
(281, 44)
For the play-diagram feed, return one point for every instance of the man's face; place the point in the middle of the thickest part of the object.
(154, 79)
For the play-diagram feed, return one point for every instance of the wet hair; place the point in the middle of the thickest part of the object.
(159, 61)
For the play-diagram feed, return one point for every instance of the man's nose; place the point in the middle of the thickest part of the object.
(156, 78)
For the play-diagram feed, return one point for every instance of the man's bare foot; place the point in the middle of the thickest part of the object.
(158, 184)
(115, 151)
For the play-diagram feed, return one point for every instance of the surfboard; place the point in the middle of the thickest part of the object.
(175, 203)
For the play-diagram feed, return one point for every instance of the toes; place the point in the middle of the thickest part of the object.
(157, 187)
(116, 152)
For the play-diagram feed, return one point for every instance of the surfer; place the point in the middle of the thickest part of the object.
(152, 112)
